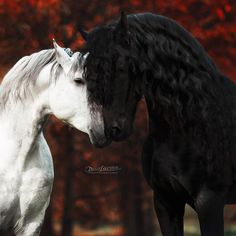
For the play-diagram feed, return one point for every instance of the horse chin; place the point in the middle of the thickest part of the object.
(102, 144)
(99, 140)
(120, 138)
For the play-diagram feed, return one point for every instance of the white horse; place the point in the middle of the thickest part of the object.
(47, 82)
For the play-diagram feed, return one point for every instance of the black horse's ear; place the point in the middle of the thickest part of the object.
(123, 23)
(84, 34)
(122, 29)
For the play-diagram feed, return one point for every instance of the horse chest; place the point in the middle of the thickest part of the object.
(167, 172)
(24, 190)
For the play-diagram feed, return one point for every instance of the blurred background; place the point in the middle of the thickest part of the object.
(108, 204)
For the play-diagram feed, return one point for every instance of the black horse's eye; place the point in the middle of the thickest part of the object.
(79, 81)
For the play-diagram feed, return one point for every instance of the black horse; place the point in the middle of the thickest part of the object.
(190, 153)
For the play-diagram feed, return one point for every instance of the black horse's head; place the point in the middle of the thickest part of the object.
(110, 76)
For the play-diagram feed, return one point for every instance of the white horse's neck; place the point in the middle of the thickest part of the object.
(21, 122)
(26, 169)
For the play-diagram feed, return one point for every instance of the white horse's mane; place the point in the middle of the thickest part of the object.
(23, 75)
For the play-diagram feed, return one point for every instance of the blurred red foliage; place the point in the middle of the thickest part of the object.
(93, 201)
(30, 24)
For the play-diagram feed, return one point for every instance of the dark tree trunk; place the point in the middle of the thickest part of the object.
(149, 221)
(137, 213)
(125, 200)
(48, 223)
(67, 221)
(132, 204)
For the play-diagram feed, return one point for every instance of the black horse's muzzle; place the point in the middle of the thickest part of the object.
(119, 130)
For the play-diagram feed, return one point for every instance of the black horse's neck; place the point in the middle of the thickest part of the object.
(180, 82)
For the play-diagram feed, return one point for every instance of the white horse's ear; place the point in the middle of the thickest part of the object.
(86, 55)
(75, 55)
(62, 57)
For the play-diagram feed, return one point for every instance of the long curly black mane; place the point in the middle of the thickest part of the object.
(171, 69)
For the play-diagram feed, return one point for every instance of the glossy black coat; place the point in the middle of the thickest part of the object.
(189, 156)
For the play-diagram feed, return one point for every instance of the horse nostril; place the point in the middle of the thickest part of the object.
(115, 131)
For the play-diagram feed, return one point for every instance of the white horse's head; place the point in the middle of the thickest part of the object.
(68, 98)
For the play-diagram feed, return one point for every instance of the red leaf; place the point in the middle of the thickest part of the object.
(220, 14)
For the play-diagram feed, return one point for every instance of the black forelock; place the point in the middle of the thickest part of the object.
(99, 38)
(100, 65)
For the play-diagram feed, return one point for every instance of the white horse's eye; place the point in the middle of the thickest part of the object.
(79, 81)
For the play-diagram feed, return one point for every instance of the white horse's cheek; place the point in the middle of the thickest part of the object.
(79, 115)
(60, 104)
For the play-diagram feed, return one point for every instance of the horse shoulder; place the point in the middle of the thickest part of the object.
(37, 181)
(39, 166)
